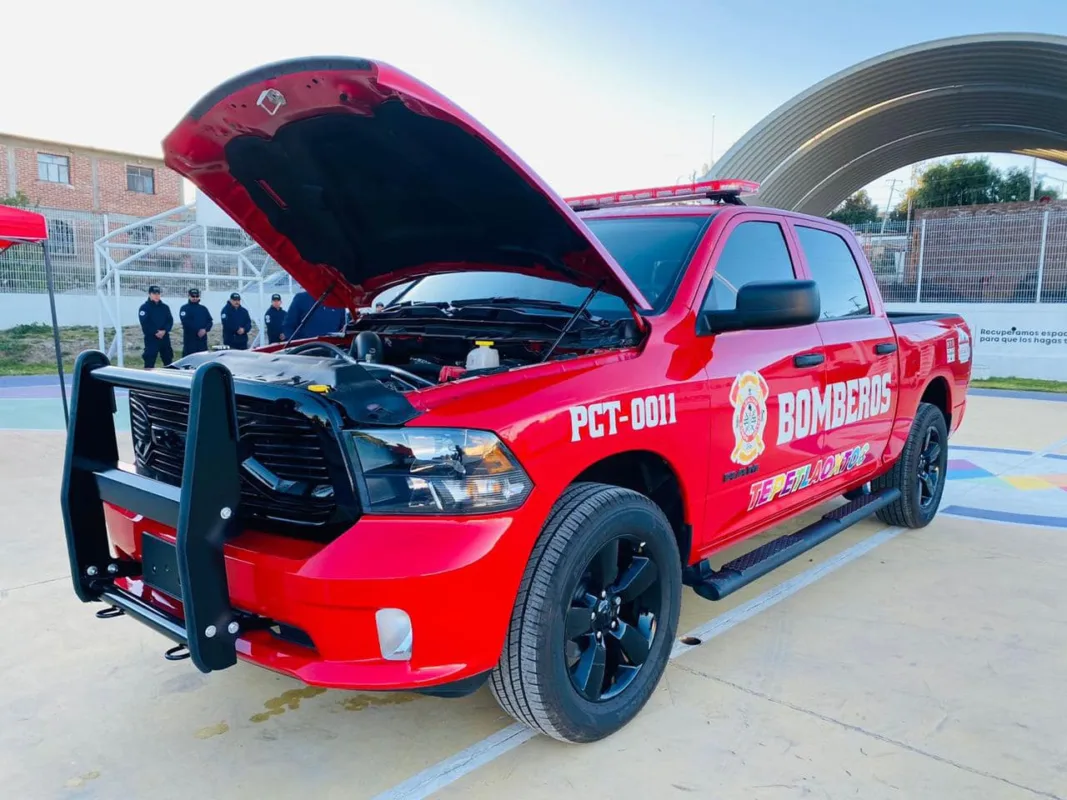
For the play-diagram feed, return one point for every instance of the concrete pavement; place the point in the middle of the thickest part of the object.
(928, 666)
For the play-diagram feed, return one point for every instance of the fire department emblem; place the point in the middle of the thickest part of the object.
(748, 396)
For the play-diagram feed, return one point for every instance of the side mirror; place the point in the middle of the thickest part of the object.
(763, 305)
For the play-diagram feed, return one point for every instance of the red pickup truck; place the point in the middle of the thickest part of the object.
(508, 471)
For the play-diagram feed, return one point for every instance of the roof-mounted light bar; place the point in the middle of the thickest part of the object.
(723, 191)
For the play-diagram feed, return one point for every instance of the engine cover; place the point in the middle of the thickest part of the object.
(365, 400)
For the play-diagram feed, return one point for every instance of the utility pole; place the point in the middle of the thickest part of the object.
(889, 202)
(712, 164)
(1033, 180)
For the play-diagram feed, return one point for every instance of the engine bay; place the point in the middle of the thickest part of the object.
(417, 347)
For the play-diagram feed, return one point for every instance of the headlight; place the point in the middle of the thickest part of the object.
(438, 471)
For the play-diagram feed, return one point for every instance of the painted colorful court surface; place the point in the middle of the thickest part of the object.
(995, 484)
(1007, 485)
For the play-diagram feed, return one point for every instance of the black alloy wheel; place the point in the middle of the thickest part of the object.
(929, 468)
(918, 472)
(611, 622)
(595, 617)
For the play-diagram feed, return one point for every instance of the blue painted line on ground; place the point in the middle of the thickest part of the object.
(1019, 394)
(10, 381)
(977, 449)
(1057, 456)
(1006, 516)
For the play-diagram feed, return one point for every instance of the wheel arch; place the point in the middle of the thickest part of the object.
(938, 392)
(654, 476)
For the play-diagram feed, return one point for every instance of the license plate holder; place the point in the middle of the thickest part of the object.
(159, 564)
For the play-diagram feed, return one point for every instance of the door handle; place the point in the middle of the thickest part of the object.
(885, 348)
(808, 359)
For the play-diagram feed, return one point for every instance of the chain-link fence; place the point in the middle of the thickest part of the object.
(990, 254)
(170, 250)
(72, 235)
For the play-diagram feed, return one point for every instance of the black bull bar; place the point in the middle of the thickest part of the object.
(204, 510)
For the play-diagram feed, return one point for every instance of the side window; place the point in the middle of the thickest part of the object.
(834, 269)
(755, 251)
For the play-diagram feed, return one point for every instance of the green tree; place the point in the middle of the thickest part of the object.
(18, 199)
(856, 210)
(1015, 187)
(959, 182)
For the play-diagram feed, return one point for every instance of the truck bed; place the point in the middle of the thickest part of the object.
(915, 316)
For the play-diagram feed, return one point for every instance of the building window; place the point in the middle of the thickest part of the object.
(53, 169)
(140, 179)
(61, 238)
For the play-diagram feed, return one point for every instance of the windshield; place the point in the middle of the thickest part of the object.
(651, 250)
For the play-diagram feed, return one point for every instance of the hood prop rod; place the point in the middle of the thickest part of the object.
(570, 323)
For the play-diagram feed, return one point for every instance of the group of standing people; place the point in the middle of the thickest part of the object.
(157, 321)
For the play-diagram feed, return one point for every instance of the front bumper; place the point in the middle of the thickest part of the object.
(302, 608)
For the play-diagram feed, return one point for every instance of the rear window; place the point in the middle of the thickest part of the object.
(834, 269)
(652, 251)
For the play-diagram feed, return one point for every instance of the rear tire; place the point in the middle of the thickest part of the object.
(919, 473)
(578, 664)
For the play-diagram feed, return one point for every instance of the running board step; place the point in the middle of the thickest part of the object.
(716, 584)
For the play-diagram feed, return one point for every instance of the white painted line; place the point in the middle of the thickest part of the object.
(441, 774)
(745, 611)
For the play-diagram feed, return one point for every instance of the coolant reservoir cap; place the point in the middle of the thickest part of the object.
(318, 387)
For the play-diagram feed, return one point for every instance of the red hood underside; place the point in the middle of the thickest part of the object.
(355, 176)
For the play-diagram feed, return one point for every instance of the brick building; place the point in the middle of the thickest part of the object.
(72, 178)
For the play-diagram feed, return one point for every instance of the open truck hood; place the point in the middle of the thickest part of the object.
(355, 176)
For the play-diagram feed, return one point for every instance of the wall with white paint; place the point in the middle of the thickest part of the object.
(1011, 340)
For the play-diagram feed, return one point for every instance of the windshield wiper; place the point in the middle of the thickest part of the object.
(396, 300)
(524, 302)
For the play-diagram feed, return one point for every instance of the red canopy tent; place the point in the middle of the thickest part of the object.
(18, 226)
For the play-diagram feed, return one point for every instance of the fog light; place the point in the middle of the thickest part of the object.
(394, 634)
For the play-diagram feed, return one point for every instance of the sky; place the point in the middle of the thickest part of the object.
(595, 95)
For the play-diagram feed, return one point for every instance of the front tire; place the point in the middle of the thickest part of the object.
(595, 617)
(919, 473)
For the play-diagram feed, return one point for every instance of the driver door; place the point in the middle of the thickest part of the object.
(761, 385)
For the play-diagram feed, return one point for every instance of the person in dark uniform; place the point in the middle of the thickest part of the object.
(324, 321)
(275, 320)
(196, 322)
(156, 322)
(235, 324)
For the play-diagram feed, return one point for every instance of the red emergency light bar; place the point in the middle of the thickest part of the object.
(725, 191)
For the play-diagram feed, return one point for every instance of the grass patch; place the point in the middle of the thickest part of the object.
(1021, 384)
(28, 349)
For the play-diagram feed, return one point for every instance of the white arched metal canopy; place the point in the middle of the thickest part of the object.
(1002, 92)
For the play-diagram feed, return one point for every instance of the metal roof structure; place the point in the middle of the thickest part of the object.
(1001, 92)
